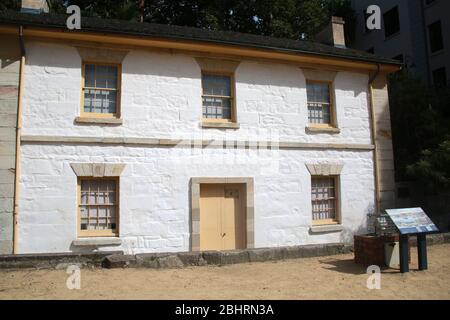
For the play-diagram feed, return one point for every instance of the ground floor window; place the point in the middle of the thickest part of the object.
(324, 196)
(98, 206)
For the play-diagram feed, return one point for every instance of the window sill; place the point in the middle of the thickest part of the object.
(326, 228)
(97, 241)
(331, 130)
(220, 125)
(86, 120)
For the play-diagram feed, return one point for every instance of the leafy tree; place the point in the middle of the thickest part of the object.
(107, 9)
(420, 118)
(432, 170)
(280, 18)
(10, 4)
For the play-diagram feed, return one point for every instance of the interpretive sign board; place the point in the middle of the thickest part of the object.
(411, 221)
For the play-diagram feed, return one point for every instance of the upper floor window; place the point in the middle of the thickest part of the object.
(98, 206)
(319, 103)
(217, 97)
(101, 89)
(435, 34)
(391, 22)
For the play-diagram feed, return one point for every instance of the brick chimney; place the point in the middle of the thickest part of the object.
(333, 33)
(34, 6)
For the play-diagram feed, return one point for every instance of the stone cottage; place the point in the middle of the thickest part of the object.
(154, 138)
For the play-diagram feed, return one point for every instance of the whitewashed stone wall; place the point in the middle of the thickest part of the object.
(161, 98)
(154, 194)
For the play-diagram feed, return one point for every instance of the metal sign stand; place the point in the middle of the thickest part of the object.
(412, 221)
(421, 252)
(404, 253)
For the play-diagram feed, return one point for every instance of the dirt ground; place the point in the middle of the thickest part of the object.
(334, 277)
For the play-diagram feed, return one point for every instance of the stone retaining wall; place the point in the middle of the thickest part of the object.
(53, 261)
(116, 259)
(184, 259)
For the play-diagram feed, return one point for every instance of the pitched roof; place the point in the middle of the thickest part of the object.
(153, 30)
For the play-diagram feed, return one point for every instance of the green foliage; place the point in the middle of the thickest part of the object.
(10, 5)
(420, 118)
(280, 18)
(107, 9)
(432, 170)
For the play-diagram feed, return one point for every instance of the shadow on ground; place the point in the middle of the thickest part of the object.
(343, 266)
(348, 266)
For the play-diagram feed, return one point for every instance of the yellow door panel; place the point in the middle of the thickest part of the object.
(210, 225)
(222, 217)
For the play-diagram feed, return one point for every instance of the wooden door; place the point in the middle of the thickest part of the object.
(222, 217)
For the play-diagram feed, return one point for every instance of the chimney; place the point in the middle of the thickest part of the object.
(34, 6)
(333, 33)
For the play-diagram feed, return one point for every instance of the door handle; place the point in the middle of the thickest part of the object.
(223, 235)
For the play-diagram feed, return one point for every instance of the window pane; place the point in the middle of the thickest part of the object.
(100, 101)
(89, 96)
(318, 92)
(102, 212)
(105, 101)
(217, 85)
(89, 75)
(106, 77)
(216, 108)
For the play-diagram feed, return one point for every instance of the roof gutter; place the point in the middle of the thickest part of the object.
(18, 137)
(173, 41)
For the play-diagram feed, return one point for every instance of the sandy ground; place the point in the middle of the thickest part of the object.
(335, 277)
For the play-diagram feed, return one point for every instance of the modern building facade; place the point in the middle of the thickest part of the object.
(416, 32)
(150, 138)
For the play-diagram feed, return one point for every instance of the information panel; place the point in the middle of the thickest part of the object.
(411, 220)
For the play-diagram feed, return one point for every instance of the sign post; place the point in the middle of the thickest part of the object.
(422, 251)
(404, 253)
(412, 221)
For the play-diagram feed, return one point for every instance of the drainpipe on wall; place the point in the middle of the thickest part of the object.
(18, 135)
(374, 140)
